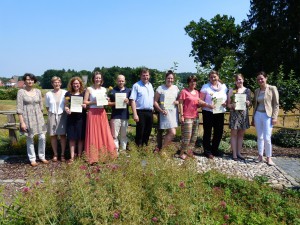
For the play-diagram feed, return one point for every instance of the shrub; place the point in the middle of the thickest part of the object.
(8, 93)
(225, 146)
(287, 138)
(250, 144)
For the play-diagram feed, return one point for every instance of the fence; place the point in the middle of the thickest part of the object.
(13, 126)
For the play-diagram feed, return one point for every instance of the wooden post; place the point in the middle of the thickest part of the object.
(12, 132)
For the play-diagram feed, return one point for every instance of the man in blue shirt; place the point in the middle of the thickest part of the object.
(142, 99)
(119, 116)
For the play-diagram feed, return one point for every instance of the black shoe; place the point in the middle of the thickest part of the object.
(218, 154)
(208, 155)
(241, 158)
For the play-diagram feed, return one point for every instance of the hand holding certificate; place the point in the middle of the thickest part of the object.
(76, 104)
(101, 99)
(219, 108)
(120, 101)
(169, 100)
(240, 102)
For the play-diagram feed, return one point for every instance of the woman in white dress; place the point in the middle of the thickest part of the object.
(168, 113)
(57, 117)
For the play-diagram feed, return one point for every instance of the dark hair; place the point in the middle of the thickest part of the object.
(170, 72)
(30, 75)
(191, 78)
(97, 73)
(262, 73)
(70, 87)
(144, 70)
(236, 77)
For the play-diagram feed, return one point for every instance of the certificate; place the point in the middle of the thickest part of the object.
(169, 101)
(119, 98)
(76, 104)
(101, 99)
(218, 106)
(240, 101)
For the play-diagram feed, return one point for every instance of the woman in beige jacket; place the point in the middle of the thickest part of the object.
(265, 113)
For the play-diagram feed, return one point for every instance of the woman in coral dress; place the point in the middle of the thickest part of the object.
(99, 143)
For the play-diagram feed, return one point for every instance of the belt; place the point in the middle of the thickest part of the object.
(145, 110)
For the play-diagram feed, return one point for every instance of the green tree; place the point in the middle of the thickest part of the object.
(288, 88)
(272, 36)
(228, 68)
(214, 40)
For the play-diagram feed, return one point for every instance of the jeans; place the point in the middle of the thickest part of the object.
(263, 126)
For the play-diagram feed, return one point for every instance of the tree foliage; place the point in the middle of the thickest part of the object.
(214, 40)
(271, 36)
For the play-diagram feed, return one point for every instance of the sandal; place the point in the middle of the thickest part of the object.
(70, 161)
(190, 154)
(183, 156)
(45, 161)
(156, 150)
(62, 158)
(54, 159)
(33, 164)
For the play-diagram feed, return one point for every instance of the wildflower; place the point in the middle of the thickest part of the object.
(181, 184)
(217, 189)
(26, 189)
(116, 214)
(154, 219)
(114, 167)
(83, 167)
(226, 217)
(37, 183)
(223, 204)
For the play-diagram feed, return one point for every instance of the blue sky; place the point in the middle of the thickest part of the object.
(36, 35)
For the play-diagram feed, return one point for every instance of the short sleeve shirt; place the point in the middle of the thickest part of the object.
(119, 113)
(190, 103)
(143, 95)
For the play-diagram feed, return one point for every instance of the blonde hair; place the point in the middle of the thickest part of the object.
(55, 78)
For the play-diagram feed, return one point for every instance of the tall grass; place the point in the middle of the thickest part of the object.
(146, 188)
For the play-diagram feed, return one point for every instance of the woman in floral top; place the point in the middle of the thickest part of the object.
(30, 112)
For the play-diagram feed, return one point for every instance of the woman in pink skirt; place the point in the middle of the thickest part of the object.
(99, 143)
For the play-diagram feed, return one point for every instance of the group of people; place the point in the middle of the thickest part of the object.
(89, 130)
